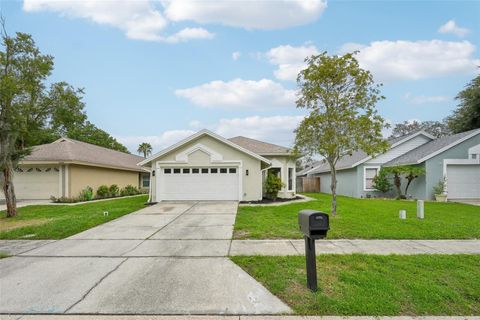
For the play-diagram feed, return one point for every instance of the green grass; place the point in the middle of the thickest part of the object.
(363, 219)
(4, 255)
(373, 285)
(61, 221)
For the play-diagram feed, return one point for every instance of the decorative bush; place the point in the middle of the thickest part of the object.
(113, 190)
(273, 184)
(381, 182)
(439, 188)
(86, 194)
(103, 191)
(129, 190)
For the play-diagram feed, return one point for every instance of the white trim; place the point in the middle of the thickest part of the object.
(60, 181)
(67, 181)
(365, 177)
(183, 156)
(453, 144)
(293, 179)
(197, 135)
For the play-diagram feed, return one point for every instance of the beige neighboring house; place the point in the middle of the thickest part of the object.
(65, 167)
(206, 166)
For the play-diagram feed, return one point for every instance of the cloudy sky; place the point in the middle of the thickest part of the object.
(157, 71)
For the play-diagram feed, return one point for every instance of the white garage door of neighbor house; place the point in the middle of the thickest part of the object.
(36, 182)
(463, 181)
(213, 183)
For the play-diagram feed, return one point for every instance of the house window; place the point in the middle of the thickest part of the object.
(204, 170)
(370, 173)
(195, 170)
(290, 179)
(186, 170)
(167, 171)
(232, 170)
(145, 181)
(176, 170)
(223, 170)
(213, 170)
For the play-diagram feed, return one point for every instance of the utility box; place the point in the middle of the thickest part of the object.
(313, 224)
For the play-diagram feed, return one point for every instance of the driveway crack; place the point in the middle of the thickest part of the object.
(96, 284)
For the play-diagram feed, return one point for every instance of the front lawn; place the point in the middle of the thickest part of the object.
(61, 221)
(363, 219)
(373, 285)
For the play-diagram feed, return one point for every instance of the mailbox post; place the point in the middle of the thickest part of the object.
(314, 225)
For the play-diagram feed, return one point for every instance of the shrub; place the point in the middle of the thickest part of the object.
(381, 182)
(64, 200)
(439, 188)
(113, 190)
(86, 194)
(273, 184)
(102, 191)
(129, 190)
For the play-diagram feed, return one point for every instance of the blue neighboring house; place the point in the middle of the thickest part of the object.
(455, 158)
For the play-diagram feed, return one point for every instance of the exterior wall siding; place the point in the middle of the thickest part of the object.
(434, 166)
(80, 177)
(251, 184)
(345, 185)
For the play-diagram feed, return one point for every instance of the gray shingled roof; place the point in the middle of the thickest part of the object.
(259, 147)
(70, 150)
(413, 156)
(347, 162)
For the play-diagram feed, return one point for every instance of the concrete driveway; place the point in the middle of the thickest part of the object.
(165, 259)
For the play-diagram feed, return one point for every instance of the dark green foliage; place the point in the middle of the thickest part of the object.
(373, 285)
(467, 115)
(439, 188)
(410, 173)
(436, 128)
(86, 194)
(273, 185)
(363, 219)
(145, 148)
(103, 191)
(381, 182)
(129, 190)
(113, 191)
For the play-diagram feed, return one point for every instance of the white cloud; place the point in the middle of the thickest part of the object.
(422, 99)
(138, 19)
(274, 129)
(236, 55)
(158, 143)
(451, 27)
(289, 60)
(238, 94)
(189, 34)
(413, 60)
(246, 14)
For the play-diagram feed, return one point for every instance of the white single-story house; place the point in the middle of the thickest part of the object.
(66, 166)
(454, 158)
(206, 166)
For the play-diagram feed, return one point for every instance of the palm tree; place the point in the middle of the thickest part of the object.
(145, 148)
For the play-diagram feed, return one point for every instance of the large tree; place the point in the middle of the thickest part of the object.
(436, 128)
(32, 112)
(467, 115)
(145, 148)
(341, 99)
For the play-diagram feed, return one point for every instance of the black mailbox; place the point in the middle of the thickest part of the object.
(313, 224)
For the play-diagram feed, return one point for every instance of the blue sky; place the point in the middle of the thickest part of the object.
(157, 71)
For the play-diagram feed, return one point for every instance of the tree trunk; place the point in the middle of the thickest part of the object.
(333, 187)
(408, 184)
(397, 182)
(9, 191)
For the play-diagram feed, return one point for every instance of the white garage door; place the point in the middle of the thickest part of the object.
(35, 183)
(463, 181)
(213, 183)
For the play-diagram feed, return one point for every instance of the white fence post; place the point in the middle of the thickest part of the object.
(403, 214)
(420, 209)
